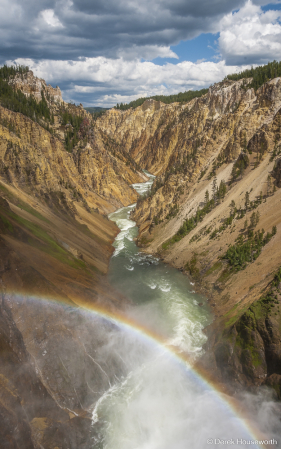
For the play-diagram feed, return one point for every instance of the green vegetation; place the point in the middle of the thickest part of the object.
(239, 167)
(182, 97)
(262, 308)
(42, 241)
(276, 152)
(238, 214)
(31, 211)
(16, 101)
(248, 319)
(190, 223)
(244, 252)
(72, 123)
(218, 194)
(22, 204)
(96, 109)
(10, 72)
(260, 74)
(6, 223)
(217, 266)
(174, 209)
(191, 266)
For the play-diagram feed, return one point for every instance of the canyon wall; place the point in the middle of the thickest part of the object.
(228, 144)
(55, 246)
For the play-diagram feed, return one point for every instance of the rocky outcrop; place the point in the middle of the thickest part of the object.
(32, 158)
(248, 353)
(29, 84)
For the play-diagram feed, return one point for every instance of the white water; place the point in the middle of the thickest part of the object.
(160, 403)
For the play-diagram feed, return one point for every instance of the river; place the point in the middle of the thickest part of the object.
(160, 403)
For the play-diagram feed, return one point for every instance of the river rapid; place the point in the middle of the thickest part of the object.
(159, 402)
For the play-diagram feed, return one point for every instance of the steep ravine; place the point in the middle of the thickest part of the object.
(232, 134)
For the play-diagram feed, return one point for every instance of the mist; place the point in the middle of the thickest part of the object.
(162, 403)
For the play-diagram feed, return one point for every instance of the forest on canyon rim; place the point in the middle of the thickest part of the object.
(213, 213)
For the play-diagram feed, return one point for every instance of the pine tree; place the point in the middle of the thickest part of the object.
(247, 200)
(207, 197)
(242, 169)
(257, 217)
(215, 190)
(233, 173)
(253, 220)
(222, 189)
(269, 185)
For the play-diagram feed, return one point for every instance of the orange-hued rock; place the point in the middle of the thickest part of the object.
(32, 158)
(55, 247)
(186, 146)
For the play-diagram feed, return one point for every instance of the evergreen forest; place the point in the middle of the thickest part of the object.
(14, 100)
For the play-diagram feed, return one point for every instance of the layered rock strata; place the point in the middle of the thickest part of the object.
(231, 135)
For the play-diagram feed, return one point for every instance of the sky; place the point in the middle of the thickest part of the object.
(103, 52)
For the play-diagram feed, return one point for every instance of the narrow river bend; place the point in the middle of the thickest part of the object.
(160, 402)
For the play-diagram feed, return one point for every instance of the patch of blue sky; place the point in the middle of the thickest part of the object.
(201, 48)
(272, 6)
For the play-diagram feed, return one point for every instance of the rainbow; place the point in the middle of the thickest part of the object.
(199, 374)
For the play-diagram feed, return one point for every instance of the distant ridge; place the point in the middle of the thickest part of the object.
(95, 109)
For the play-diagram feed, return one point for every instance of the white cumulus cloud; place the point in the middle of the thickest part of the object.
(50, 18)
(104, 82)
(250, 36)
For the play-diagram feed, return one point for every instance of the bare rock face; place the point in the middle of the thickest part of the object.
(32, 159)
(30, 418)
(204, 135)
(31, 85)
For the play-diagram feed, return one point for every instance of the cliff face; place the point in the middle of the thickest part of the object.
(31, 85)
(55, 245)
(159, 136)
(140, 132)
(32, 159)
(226, 143)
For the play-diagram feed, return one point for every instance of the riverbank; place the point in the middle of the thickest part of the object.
(244, 338)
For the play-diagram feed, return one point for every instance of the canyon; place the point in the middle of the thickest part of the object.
(56, 241)
(188, 147)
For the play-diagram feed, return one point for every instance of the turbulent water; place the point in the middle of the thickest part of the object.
(166, 299)
(158, 402)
